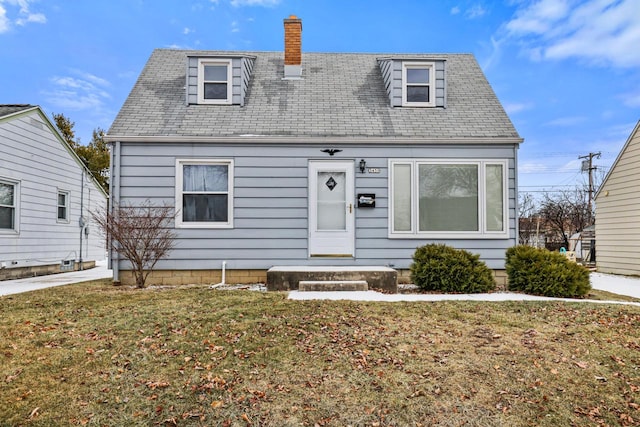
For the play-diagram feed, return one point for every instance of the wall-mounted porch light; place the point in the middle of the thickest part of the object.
(363, 165)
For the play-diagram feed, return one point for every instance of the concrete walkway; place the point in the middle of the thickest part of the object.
(100, 271)
(621, 285)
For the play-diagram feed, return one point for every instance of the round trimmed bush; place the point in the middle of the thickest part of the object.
(438, 267)
(542, 272)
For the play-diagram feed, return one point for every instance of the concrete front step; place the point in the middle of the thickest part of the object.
(286, 278)
(332, 285)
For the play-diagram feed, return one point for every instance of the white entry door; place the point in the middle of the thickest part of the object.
(331, 210)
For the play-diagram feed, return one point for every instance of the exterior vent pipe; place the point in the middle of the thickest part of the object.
(224, 273)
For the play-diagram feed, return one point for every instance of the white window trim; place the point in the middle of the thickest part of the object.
(67, 198)
(179, 181)
(431, 66)
(482, 232)
(16, 206)
(201, 81)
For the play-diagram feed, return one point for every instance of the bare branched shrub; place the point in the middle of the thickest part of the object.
(141, 234)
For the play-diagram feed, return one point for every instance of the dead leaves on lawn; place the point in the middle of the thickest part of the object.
(319, 363)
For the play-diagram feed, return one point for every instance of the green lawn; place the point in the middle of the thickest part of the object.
(94, 354)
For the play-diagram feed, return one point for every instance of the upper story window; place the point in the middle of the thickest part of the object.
(214, 81)
(204, 193)
(418, 84)
(8, 205)
(63, 206)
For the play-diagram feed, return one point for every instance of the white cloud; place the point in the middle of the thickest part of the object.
(234, 27)
(538, 17)
(475, 11)
(82, 91)
(4, 21)
(37, 18)
(601, 32)
(267, 3)
(631, 99)
(91, 78)
(571, 166)
(531, 167)
(24, 14)
(566, 121)
(514, 107)
(455, 10)
(187, 31)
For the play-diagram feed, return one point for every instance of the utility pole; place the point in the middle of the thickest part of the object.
(587, 166)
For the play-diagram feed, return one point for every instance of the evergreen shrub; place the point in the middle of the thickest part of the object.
(438, 267)
(542, 272)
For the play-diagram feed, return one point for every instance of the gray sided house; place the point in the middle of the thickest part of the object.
(45, 190)
(315, 159)
(617, 206)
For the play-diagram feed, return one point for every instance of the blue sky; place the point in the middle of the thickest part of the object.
(566, 71)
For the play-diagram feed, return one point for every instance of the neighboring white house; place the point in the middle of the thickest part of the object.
(618, 212)
(315, 159)
(46, 194)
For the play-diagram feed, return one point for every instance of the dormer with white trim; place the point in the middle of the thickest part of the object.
(218, 79)
(414, 81)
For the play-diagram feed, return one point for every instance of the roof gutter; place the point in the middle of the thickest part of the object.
(258, 139)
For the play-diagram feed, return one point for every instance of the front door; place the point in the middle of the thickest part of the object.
(331, 210)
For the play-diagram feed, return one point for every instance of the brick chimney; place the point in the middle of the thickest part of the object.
(292, 48)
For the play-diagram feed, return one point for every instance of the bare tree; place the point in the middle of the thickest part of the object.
(141, 234)
(528, 220)
(566, 213)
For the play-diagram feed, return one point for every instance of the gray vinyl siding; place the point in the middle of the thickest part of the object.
(617, 217)
(240, 76)
(391, 70)
(386, 68)
(271, 205)
(31, 154)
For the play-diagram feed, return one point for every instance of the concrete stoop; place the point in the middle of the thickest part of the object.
(331, 278)
(332, 285)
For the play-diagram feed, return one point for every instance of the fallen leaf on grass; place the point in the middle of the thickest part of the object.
(10, 378)
(157, 384)
(246, 419)
(217, 403)
(618, 360)
(581, 364)
(34, 413)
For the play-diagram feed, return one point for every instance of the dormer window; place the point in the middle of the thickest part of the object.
(418, 84)
(214, 81)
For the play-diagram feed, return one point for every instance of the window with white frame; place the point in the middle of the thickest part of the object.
(418, 84)
(8, 205)
(63, 206)
(448, 199)
(204, 193)
(214, 81)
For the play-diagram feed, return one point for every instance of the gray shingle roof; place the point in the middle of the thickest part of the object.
(340, 95)
(7, 109)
